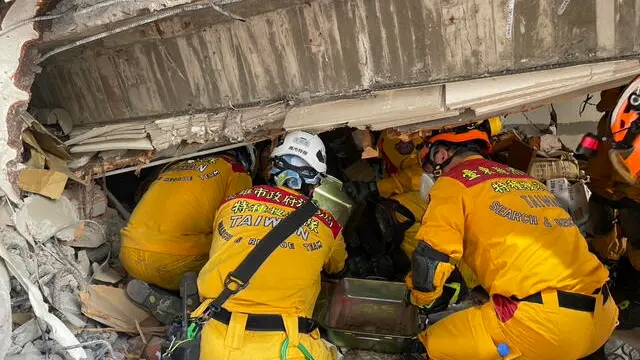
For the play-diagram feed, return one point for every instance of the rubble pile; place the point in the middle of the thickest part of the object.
(60, 278)
(67, 259)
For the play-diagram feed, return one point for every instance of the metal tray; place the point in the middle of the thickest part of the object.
(370, 315)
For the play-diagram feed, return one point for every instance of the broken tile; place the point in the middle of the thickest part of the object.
(44, 182)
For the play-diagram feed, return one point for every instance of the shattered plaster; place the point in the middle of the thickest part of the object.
(12, 96)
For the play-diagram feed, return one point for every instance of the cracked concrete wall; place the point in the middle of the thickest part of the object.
(324, 49)
(17, 71)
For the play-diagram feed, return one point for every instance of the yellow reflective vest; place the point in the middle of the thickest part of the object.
(175, 216)
(289, 280)
(510, 231)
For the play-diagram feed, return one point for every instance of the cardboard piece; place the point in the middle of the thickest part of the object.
(45, 140)
(37, 160)
(111, 306)
(44, 182)
(573, 197)
(52, 161)
(60, 165)
(504, 141)
(521, 156)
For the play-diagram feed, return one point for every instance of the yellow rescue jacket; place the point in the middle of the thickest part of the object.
(510, 231)
(414, 203)
(288, 282)
(407, 179)
(175, 215)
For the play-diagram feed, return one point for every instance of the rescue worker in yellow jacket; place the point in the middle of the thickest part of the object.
(614, 206)
(271, 316)
(400, 165)
(548, 294)
(169, 232)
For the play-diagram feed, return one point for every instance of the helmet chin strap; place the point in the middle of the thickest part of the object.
(439, 168)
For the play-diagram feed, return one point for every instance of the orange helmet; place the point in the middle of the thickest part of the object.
(625, 128)
(478, 133)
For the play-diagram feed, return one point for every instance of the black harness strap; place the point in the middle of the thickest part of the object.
(239, 278)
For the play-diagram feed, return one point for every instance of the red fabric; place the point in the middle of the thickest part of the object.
(456, 172)
(505, 307)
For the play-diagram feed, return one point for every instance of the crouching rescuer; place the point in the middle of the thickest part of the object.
(269, 316)
(548, 297)
(169, 233)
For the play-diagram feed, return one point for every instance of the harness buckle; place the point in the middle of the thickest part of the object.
(233, 284)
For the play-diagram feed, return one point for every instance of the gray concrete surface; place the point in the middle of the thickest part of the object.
(199, 62)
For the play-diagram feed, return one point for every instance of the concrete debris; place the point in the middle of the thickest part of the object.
(88, 235)
(80, 160)
(111, 155)
(26, 333)
(90, 201)
(6, 213)
(112, 223)
(197, 128)
(107, 274)
(59, 117)
(19, 318)
(5, 310)
(69, 305)
(59, 332)
(40, 218)
(550, 143)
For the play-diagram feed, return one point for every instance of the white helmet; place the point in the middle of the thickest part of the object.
(306, 146)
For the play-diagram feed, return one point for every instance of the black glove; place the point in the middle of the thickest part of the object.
(455, 289)
(415, 351)
(359, 190)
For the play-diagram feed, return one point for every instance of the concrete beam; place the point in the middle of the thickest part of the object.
(323, 50)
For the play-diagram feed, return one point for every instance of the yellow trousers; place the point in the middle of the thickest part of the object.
(161, 269)
(533, 332)
(222, 342)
